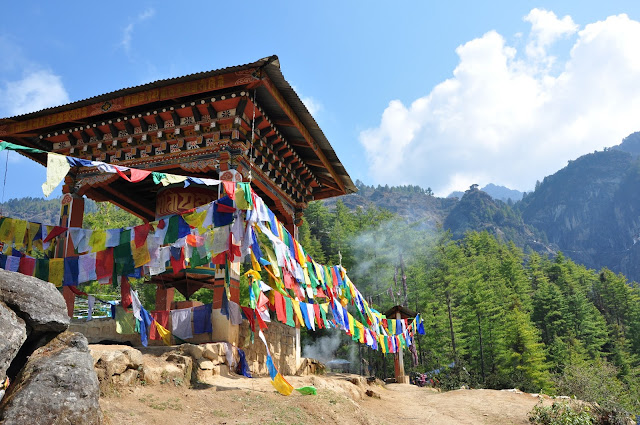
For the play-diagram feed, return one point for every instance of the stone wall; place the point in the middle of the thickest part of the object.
(284, 345)
(103, 330)
(283, 340)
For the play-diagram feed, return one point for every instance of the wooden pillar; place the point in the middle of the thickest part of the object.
(164, 298)
(71, 215)
(399, 362)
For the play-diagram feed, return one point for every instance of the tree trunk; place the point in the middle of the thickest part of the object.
(404, 282)
(481, 349)
(451, 331)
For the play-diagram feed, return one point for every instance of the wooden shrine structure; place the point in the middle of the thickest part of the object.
(399, 312)
(238, 123)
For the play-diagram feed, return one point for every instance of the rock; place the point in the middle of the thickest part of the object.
(37, 302)
(113, 362)
(210, 352)
(195, 351)
(127, 378)
(134, 356)
(205, 364)
(185, 363)
(57, 386)
(14, 334)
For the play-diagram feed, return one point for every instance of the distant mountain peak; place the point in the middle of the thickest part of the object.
(630, 144)
(501, 193)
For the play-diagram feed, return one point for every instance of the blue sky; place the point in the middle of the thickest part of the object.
(439, 94)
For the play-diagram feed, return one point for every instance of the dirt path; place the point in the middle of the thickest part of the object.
(252, 401)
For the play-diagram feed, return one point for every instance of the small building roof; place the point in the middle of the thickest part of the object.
(405, 313)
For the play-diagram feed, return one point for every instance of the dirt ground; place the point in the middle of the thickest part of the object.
(239, 400)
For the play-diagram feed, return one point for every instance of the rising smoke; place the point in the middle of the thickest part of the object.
(324, 348)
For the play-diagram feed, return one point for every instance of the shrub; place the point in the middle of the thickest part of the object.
(562, 413)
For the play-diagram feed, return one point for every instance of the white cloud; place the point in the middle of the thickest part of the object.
(546, 28)
(505, 117)
(312, 105)
(37, 90)
(127, 33)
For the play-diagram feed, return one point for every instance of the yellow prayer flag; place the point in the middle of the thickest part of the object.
(172, 179)
(361, 331)
(241, 202)
(195, 219)
(319, 271)
(140, 255)
(381, 344)
(252, 274)
(20, 230)
(271, 257)
(163, 332)
(32, 231)
(7, 231)
(300, 253)
(351, 320)
(56, 271)
(305, 272)
(254, 262)
(282, 385)
(98, 240)
(296, 309)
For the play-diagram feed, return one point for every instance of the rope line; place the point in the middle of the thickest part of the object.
(4, 185)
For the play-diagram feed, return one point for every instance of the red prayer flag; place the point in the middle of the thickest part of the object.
(281, 310)
(104, 263)
(316, 310)
(125, 292)
(250, 317)
(136, 175)
(140, 234)
(288, 279)
(222, 208)
(162, 317)
(27, 265)
(57, 230)
(230, 189)
(177, 265)
(261, 323)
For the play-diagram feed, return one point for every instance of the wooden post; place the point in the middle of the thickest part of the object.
(400, 376)
(71, 215)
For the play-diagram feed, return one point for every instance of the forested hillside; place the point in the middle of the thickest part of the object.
(506, 320)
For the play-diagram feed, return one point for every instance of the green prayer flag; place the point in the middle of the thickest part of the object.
(122, 257)
(42, 269)
(172, 231)
(125, 322)
(196, 260)
(157, 176)
(14, 147)
(324, 317)
(309, 390)
(289, 307)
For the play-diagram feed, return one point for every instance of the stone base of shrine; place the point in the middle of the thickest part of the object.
(283, 340)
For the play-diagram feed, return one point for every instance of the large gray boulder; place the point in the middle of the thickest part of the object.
(37, 302)
(13, 333)
(57, 386)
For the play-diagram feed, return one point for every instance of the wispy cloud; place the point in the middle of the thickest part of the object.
(508, 117)
(26, 86)
(127, 33)
(36, 90)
